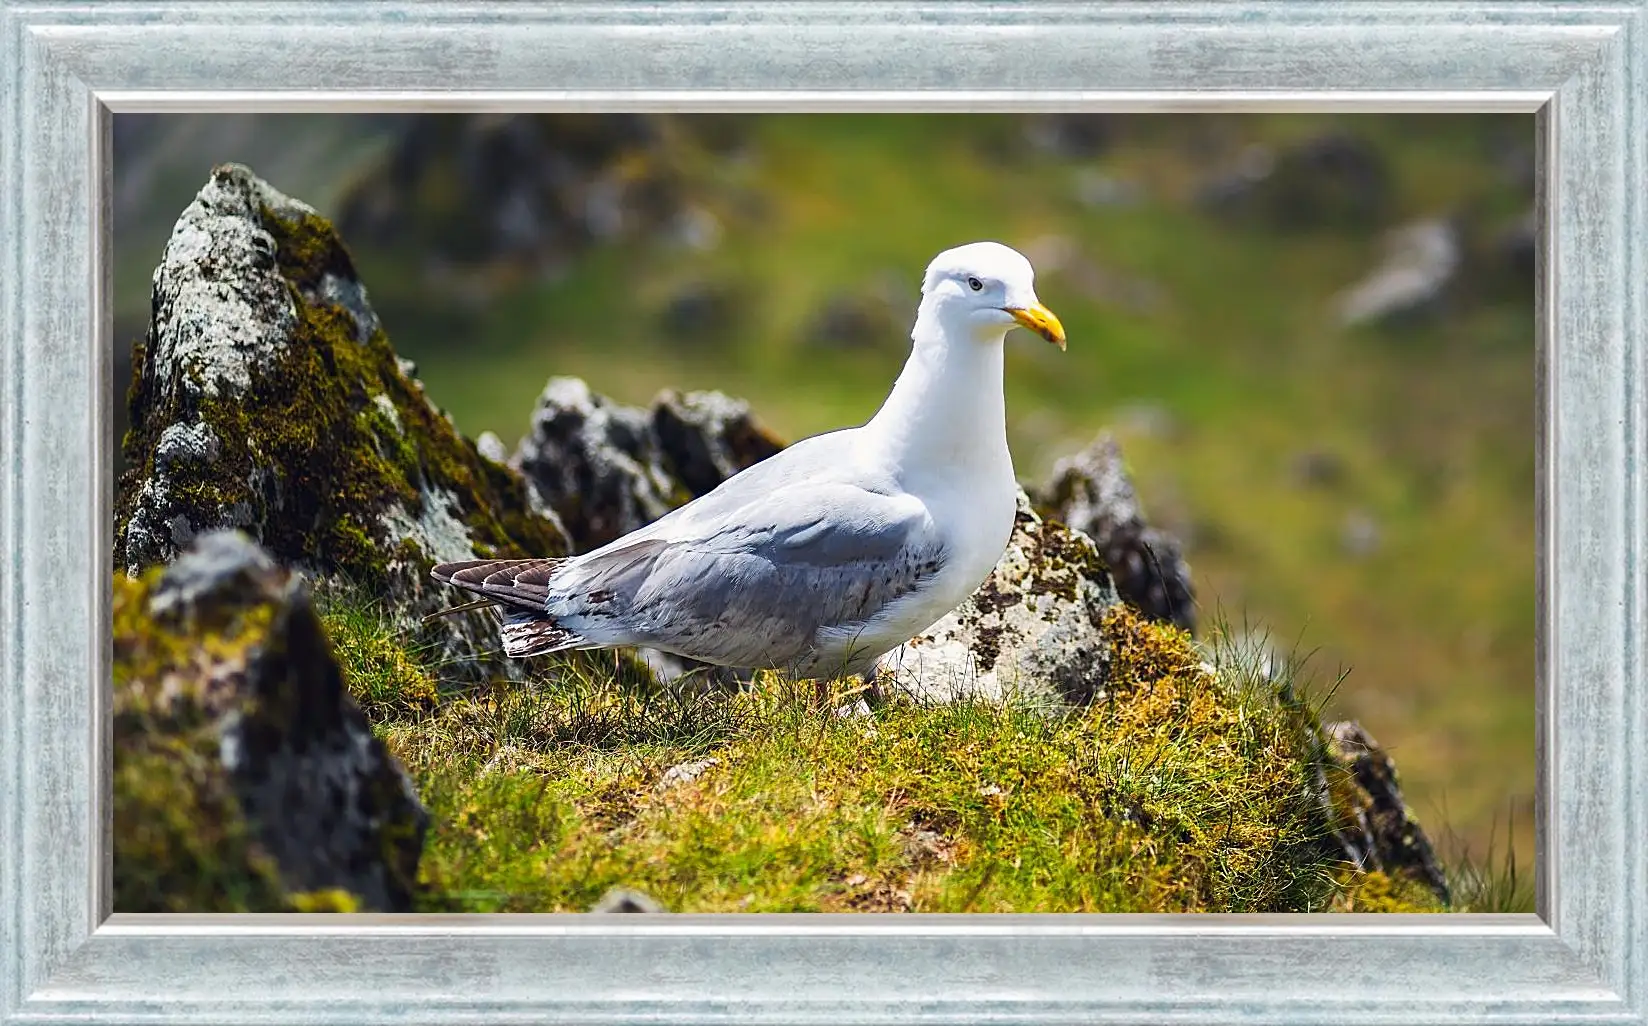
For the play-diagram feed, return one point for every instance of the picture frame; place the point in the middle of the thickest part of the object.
(67, 67)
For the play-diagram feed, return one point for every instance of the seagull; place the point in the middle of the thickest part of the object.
(824, 557)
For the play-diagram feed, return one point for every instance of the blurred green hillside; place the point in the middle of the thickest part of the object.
(1362, 493)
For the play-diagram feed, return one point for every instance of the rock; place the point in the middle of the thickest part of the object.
(1333, 179)
(696, 228)
(706, 437)
(1359, 536)
(1031, 633)
(1234, 189)
(684, 772)
(266, 397)
(245, 776)
(492, 447)
(862, 319)
(607, 469)
(595, 463)
(1096, 189)
(699, 310)
(622, 899)
(1070, 135)
(1421, 261)
(526, 191)
(1376, 828)
(1318, 468)
(1059, 258)
(1091, 492)
(603, 469)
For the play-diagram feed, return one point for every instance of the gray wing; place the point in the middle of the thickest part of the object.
(755, 586)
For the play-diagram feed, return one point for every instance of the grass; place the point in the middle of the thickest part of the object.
(1492, 879)
(1180, 790)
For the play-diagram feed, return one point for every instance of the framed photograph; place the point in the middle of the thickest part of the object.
(434, 518)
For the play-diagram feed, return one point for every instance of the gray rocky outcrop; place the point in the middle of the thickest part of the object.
(1333, 179)
(1420, 262)
(1375, 827)
(501, 192)
(266, 397)
(1032, 633)
(245, 776)
(604, 469)
(607, 469)
(1092, 492)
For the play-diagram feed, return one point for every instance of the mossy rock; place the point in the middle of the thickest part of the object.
(245, 777)
(494, 196)
(1032, 633)
(607, 469)
(266, 397)
(1092, 492)
(1373, 822)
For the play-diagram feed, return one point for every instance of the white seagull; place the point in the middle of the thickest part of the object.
(840, 548)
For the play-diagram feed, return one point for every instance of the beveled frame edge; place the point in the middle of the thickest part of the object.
(64, 67)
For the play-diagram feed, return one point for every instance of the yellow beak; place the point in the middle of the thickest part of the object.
(1040, 320)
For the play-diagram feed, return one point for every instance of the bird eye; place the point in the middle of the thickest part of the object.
(975, 284)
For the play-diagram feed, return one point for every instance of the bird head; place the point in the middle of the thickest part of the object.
(987, 289)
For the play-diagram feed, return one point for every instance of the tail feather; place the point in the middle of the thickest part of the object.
(526, 634)
(522, 586)
(519, 583)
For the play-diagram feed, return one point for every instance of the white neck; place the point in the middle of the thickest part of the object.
(946, 410)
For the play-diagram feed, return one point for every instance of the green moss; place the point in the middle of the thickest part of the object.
(182, 842)
(182, 839)
(332, 900)
(1383, 892)
(312, 437)
(1178, 790)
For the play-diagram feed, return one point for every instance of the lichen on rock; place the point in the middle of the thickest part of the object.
(1092, 492)
(1031, 633)
(1375, 826)
(245, 777)
(266, 397)
(607, 469)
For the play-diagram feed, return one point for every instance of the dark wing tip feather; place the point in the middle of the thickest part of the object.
(516, 582)
(523, 585)
(526, 635)
(444, 572)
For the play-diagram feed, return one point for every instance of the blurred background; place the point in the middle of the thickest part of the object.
(1312, 335)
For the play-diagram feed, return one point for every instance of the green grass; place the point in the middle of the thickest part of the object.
(1492, 878)
(1432, 424)
(1182, 790)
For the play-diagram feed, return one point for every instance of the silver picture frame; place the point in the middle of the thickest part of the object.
(1580, 67)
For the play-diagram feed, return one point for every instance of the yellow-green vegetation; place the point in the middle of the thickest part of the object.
(1382, 892)
(184, 844)
(1226, 329)
(385, 678)
(1177, 790)
(245, 779)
